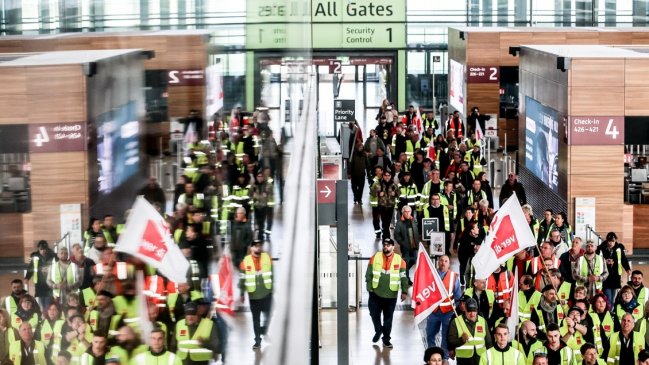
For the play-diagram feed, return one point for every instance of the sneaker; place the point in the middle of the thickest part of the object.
(387, 344)
(376, 337)
(257, 345)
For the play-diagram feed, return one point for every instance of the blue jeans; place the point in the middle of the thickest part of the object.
(610, 295)
(434, 322)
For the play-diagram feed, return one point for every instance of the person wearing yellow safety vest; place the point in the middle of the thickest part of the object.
(604, 322)
(97, 352)
(528, 298)
(565, 230)
(548, 311)
(10, 302)
(408, 193)
(241, 194)
(64, 277)
(384, 277)
(263, 197)
(526, 341)
(590, 355)
(192, 197)
(85, 266)
(38, 269)
(27, 311)
(641, 292)
(534, 223)
(375, 188)
(104, 318)
(257, 280)
(89, 235)
(127, 305)
(556, 349)
(27, 350)
(625, 344)
(591, 270)
(617, 264)
(502, 353)
(565, 290)
(197, 339)
(435, 209)
(109, 229)
(127, 345)
(157, 354)
(468, 335)
(475, 159)
(627, 303)
(483, 296)
(476, 194)
(575, 330)
(176, 301)
(641, 325)
(49, 330)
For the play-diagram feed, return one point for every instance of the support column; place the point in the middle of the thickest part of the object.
(44, 20)
(610, 13)
(342, 277)
(503, 18)
(70, 15)
(639, 13)
(487, 13)
(199, 13)
(250, 81)
(182, 13)
(401, 77)
(13, 17)
(165, 14)
(583, 13)
(474, 12)
(144, 14)
(97, 15)
(521, 13)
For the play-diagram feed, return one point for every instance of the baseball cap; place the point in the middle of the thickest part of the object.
(388, 241)
(191, 308)
(471, 305)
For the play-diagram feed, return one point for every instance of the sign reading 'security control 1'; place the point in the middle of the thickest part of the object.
(329, 23)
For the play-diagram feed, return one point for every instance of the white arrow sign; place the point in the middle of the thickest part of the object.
(430, 232)
(326, 191)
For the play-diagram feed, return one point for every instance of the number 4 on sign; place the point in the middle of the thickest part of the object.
(41, 137)
(611, 130)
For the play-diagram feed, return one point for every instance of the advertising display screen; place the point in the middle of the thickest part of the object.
(542, 142)
(118, 150)
(456, 87)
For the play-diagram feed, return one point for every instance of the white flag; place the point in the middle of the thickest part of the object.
(512, 320)
(147, 237)
(509, 233)
(478, 131)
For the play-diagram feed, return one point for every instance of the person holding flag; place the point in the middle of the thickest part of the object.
(441, 317)
(468, 335)
(385, 275)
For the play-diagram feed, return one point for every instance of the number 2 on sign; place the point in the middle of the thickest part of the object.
(611, 130)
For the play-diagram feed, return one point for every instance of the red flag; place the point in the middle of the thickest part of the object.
(428, 291)
(417, 121)
(222, 287)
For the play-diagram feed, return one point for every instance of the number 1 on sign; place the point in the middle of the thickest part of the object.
(389, 30)
(611, 130)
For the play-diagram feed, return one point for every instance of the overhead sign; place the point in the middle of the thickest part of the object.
(325, 24)
(428, 227)
(482, 74)
(186, 77)
(370, 61)
(344, 110)
(596, 130)
(57, 137)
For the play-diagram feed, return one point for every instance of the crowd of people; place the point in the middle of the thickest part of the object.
(86, 306)
(573, 303)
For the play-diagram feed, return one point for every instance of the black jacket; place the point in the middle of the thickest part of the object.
(507, 190)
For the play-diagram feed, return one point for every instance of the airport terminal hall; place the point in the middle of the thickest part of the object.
(324, 182)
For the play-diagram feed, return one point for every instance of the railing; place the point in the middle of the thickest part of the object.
(591, 234)
(64, 241)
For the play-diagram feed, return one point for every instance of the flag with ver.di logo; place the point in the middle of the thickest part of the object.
(147, 237)
(509, 233)
(428, 291)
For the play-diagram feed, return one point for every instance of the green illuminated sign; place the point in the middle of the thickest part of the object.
(325, 24)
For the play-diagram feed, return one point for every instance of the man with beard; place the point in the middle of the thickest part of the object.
(544, 225)
(468, 335)
(557, 350)
(549, 311)
(197, 339)
(641, 292)
(502, 352)
(591, 270)
(441, 317)
(435, 209)
(385, 275)
(128, 305)
(10, 302)
(37, 270)
(485, 298)
(527, 342)
(126, 345)
(104, 319)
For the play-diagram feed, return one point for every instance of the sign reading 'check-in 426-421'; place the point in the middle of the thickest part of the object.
(596, 130)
